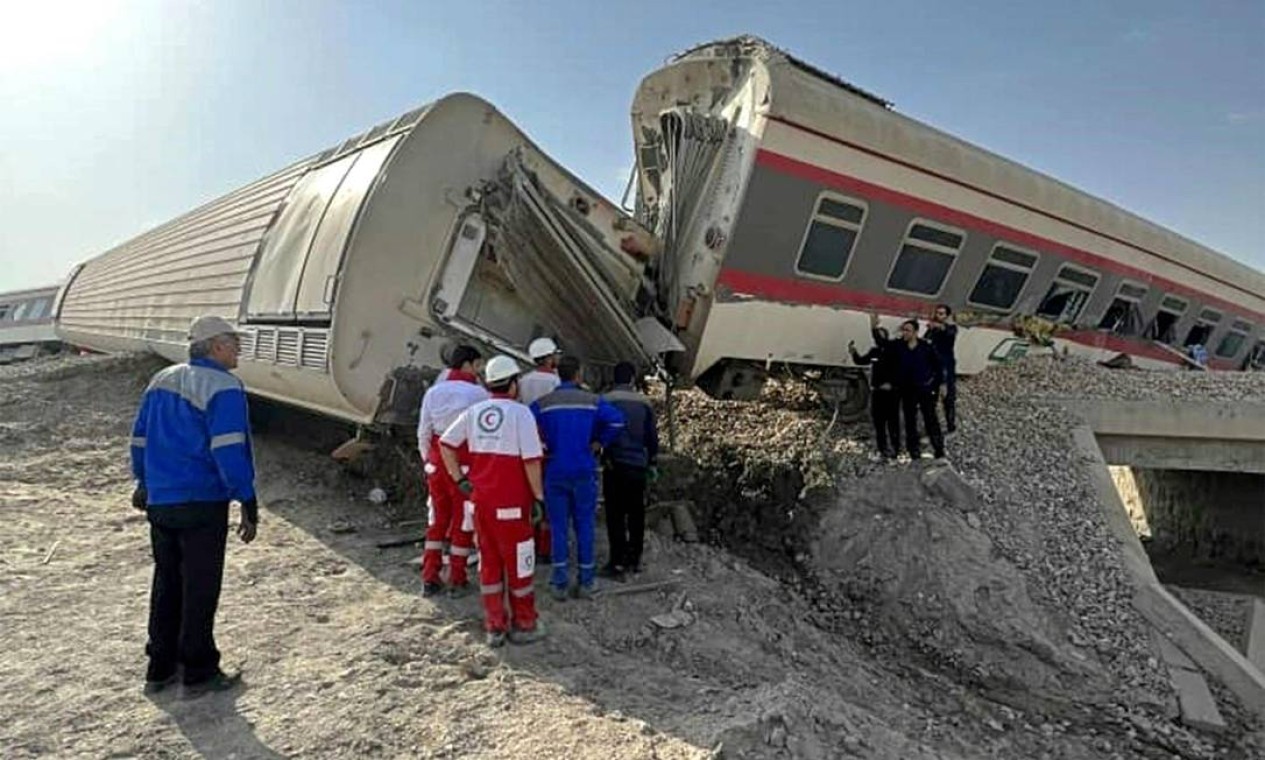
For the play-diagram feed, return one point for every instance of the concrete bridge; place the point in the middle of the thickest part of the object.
(1194, 471)
(1175, 434)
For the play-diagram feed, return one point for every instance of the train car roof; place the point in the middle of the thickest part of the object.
(804, 94)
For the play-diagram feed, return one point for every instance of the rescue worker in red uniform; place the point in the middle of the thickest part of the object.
(450, 515)
(505, 485)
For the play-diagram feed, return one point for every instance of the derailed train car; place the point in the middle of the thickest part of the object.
(791, 203)
(26, 324)
(352, 272)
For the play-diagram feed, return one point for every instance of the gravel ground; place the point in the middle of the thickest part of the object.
(343, 659)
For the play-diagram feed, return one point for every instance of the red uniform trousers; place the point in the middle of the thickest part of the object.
(544, 539)
(446, 522)
(507, 564)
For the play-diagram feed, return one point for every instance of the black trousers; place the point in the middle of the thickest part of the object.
(885, 412)
(624, 489)
(950, 401)
(921, 401)
(188, 543)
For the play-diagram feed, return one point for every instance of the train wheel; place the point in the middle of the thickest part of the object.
(846, 391)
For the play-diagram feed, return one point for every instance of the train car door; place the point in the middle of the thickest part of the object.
(296, 273)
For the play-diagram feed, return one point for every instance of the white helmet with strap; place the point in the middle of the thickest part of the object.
(499, 369)
(541, 347)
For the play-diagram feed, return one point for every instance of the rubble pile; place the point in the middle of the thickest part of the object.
(761, 488)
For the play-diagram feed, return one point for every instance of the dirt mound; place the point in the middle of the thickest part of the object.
(920, 570)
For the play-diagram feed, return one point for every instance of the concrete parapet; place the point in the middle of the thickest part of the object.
(1178, 435)
(1203, 645)
(1170, 418)
(1256, 635)
(1113, 507)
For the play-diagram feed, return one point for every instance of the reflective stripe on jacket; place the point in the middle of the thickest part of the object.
(571, 420)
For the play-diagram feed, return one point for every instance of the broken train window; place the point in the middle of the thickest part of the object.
(1203, 329)
(1068, 294)
(1124, 315)
(1164, 327)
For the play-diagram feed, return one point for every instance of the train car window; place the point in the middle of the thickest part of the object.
(1164, 327)
(1124, 316)
(39, 308)
(1256, 360)
(1233, 341)
(1068, 294)
(4, 310)
(926, 256)
(1203, 329)
(19, 311)
(1005, 273)
(831, 235)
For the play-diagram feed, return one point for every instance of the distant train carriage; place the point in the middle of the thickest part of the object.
(351, 272)
(26, 324)
(790, 203)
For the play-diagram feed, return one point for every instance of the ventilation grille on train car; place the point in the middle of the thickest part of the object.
(287, 346)
(314, 351)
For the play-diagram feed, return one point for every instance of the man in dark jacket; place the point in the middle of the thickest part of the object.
(884, 397)
(918, 376)
(942, 333)
(631, 462)
(191, 456)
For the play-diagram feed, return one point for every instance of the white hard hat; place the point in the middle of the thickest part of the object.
(209, 326)
(499, 369)
(542, 347)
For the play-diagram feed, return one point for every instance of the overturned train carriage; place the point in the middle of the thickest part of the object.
(790, 203)
(354, 271)
(26, 324)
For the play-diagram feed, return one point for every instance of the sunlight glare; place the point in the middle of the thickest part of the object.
(38, 34)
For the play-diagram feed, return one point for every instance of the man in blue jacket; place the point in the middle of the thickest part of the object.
(631, 462)
(191, 456)
(573, 424)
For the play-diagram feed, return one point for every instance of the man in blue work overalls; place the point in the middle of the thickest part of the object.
(574, 425)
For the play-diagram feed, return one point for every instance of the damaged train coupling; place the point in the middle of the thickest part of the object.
(534, 252)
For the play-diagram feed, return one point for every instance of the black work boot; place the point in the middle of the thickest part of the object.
(218, 682)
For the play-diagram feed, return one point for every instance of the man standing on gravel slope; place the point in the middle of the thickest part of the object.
(191, 456)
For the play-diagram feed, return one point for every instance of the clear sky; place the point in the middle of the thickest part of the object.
(117, 115)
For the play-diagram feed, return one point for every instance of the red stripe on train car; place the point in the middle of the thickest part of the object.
(820, 175)
(773, 288)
